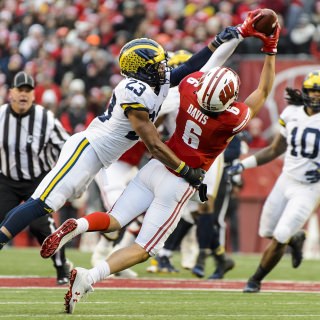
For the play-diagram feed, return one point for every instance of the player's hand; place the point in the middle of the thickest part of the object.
(193, 176)
(246, 29)
(225, 35)
(270, 43)
(236, 169)
(313, 176)
(203, 192)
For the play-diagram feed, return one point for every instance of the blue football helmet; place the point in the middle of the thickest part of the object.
(311, 83)
(141, 59)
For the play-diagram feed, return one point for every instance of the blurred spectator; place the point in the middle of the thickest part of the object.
(98, 98)
(69, 61)
(302, 34)
(49, 101)
(98, 69)
(15, 64)
(76, 117)
(30, 45)
(255, 128)
(45, 82)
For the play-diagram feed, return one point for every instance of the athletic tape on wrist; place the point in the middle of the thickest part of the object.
(181, 166)
(249, 162)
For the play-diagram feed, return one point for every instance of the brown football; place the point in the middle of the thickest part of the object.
(267, 22)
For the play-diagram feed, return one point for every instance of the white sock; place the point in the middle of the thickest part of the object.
(165, 253)
(83, 225)
(100, 272)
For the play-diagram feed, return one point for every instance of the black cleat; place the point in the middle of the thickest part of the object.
(198, 271)
(296, 244)
(252, 286)
(222, 268)
(165, 266)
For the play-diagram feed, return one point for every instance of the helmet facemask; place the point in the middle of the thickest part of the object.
(312, 102)
(154, 74)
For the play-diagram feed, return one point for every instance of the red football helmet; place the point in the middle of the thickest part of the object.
(217, 89)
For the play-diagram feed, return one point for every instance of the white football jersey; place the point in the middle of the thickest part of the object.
(111, 134)
(302, 133)
(170, 108)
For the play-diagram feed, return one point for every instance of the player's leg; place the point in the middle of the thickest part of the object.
(42, 228)
(271, 213)
(189, 247)
(8, 197)
(205, 219)
(163, 258)
(295, 216)
(127, 208)
(165, 196)
(69, 178)
(223, 263)
(292, 218)
(111, 183)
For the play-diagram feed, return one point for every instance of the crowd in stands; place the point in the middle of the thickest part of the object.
(71, 47)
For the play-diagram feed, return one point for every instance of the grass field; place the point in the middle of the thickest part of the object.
(29, 303)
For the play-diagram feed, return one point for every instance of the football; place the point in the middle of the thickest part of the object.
(267, 22)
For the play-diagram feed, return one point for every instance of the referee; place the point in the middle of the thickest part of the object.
(30, 141)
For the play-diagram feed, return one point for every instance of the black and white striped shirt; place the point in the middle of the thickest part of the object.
(30, 143)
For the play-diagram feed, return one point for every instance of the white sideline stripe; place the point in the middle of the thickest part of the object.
(141, 303)
(165, 316)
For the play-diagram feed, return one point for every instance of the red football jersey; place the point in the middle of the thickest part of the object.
(199, 138)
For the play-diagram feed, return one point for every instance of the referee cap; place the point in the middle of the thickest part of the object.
(23, 79)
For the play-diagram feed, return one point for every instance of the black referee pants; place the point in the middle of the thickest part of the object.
(12, 193)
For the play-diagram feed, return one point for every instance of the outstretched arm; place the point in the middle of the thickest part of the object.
(226, 42)
(263, 156)
(258, 97)
(222, 47)
(269, 153)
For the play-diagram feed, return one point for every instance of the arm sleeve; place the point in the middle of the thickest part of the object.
(196, 62)
(221, 55)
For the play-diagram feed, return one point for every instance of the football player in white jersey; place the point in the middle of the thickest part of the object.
(295, 194)
(133, 108)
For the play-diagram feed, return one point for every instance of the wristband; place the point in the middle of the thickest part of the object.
(249, 162)
(181, 166)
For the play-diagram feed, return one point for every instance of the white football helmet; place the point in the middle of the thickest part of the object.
(218, 88)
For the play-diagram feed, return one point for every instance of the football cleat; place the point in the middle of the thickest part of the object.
(58, 238)
(296, 244)
(165, 266)
(79, 288)
(252, 286)
(222, 268)
(198, 271)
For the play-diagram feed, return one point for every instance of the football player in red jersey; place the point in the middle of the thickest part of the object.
(208, 118)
